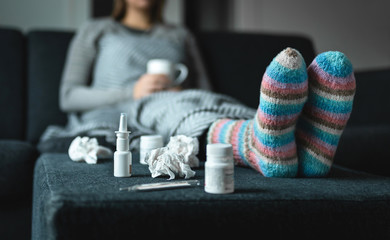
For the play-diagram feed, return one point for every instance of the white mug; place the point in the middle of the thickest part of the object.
(164, 66)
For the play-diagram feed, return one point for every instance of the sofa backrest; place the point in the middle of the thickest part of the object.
(236, 62)
(30, 77)
(12, 84)
(372, 101)
(46, 57)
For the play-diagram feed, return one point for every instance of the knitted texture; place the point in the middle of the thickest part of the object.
(167, 113)
(331, 92)
(267, 142)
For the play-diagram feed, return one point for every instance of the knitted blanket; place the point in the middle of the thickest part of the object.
(188, 112)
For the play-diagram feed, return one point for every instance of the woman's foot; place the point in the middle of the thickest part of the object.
(331, 92)
(267, 142)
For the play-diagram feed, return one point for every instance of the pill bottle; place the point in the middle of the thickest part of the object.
(219, 169)
(147, 144)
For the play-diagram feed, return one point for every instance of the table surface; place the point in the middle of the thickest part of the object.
(96, 182)
(74, 200)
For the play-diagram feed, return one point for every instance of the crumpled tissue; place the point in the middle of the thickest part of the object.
(176, 158)
(88, 150)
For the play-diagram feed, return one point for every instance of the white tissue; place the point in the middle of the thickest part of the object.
(88, 150)
(186, 146)
(176, 158)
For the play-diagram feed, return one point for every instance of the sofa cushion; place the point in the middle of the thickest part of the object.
(236, 62)
(46, 57)
(77, 201)
(61, 144)
(371, 104)
(17, 160)
(13, 85)
(365, 148)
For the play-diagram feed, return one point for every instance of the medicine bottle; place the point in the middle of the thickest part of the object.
(148, 143)
(219, 169)
(122, 156)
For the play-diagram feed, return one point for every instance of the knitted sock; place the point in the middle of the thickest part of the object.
(331, 92)
(267, 142)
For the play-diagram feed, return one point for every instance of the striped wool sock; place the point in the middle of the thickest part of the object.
(267, 142)
(331, 92)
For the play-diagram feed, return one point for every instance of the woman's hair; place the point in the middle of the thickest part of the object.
(120, 7)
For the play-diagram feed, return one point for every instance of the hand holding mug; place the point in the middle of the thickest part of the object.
(161, 75)
(150, 83)
(168, 68)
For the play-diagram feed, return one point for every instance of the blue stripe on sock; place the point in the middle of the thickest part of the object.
(279, 109)
(334, 63)
(286, 75)
(311, 167)
(331, 139)
(271, 140)
(277, 170)
(330, 105)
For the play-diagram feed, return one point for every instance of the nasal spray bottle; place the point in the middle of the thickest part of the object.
(122, 155)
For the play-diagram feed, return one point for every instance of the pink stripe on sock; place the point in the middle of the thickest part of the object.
(236, 129)
(272, 84)
(335, 118)
(254, 162)
(330, 81)
(217, 130)
(329, 150)
(276, 120)
(238, 160)
(234, 139)
(285, 151)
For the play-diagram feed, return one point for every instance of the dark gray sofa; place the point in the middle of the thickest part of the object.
(30, 70)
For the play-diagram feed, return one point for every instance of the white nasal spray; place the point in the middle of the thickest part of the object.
(122, 155)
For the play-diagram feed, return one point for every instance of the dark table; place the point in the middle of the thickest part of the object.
(74, 200)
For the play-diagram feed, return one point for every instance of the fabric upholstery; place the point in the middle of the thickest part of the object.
(365, 148)
(364, 143)
(371, 98)
(46, 58)
(77, 201)
(17, 160)
(15, 219)
(13, 84)
(61, 145)
(236, 62)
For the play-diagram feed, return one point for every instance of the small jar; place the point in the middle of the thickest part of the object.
(219, 169)
(148, 143)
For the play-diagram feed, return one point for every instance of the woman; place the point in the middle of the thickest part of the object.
(295, 129)
(137, 32)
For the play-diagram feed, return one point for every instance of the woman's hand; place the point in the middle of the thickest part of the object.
(150, 83)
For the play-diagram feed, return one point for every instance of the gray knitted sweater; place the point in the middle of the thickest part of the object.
(105, 60)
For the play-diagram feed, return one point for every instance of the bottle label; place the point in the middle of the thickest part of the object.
(219, 180)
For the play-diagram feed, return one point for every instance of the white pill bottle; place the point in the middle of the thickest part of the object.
(147, 144)
(219, 169)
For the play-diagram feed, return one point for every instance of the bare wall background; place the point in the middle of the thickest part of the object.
(43, 14)
(63, 14)
(359, 28)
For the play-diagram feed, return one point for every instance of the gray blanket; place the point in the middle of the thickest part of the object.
(188, 112)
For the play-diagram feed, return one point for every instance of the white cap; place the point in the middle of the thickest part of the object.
(123, 124)
(219, 150)
(151, 141)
